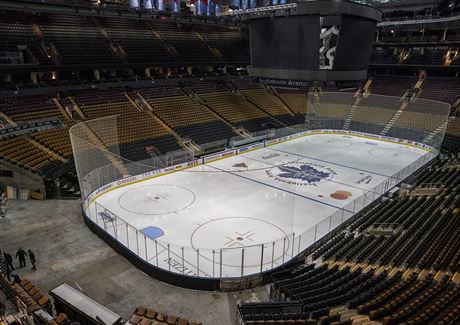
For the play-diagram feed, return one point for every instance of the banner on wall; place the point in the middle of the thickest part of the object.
(284, 82)
(148, 5)
(201, 7)
(175, 6)
(160, 5)
(235, 4)
(210, 8)
(218, 9)
(134, 4)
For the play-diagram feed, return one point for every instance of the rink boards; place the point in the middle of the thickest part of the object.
(281, 179)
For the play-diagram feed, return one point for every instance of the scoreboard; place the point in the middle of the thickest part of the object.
(327, 40)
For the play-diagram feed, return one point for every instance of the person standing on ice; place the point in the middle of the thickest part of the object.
(32, 259)
(21, 255)
(8, 261)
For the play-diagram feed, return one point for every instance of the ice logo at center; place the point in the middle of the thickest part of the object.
(304, 173)
(301, 173)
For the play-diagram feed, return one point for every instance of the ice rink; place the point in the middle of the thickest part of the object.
(262, 196)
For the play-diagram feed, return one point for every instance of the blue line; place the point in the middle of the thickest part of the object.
(325, 161)
(280, 189)
(327, 180)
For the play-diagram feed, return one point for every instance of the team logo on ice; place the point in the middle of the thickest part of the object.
(301, 173)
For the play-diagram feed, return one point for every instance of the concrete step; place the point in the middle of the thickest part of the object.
(338, 310)
(456, 278)
(360, 319)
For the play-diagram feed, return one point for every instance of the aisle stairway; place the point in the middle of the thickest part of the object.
(351, 113)
(440, 129)
(274, 118)
(186, 143)
(394, 118)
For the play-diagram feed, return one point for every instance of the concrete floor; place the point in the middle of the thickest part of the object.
(67, 252)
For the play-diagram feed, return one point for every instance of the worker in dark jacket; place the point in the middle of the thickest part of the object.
(8, 273)
(9, 261)
(32, 259)
(21, 255)
(16, 278)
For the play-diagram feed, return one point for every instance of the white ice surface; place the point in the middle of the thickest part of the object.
(247, 200)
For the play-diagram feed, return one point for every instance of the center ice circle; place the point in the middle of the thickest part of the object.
(233, 233)
(156, 199)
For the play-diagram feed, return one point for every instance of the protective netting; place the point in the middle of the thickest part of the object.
(420, 120)
(102, 147)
